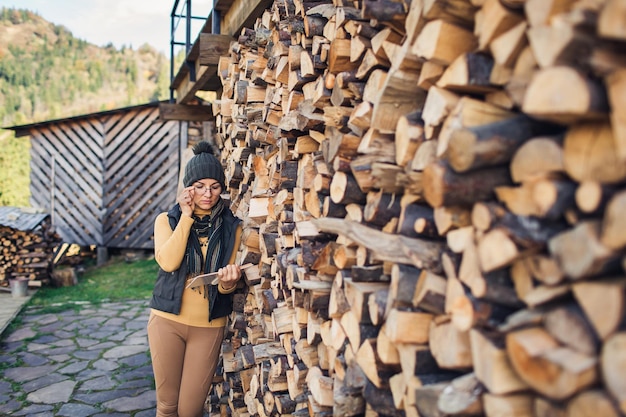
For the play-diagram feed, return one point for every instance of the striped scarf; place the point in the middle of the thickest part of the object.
(209, 226)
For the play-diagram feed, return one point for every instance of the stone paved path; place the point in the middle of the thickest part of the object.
(93, 361)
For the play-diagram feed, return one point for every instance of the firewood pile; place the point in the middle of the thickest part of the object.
(433, 195)
(27, 253)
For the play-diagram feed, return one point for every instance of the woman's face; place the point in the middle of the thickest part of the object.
(206, 193)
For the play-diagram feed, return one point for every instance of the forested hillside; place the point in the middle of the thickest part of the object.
(46, 73)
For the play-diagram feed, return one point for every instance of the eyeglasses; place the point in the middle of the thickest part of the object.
(201, 188)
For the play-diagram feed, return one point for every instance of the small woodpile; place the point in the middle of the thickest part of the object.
(433, 192)
(26, 251)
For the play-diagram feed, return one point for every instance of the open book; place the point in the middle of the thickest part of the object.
(211, 278)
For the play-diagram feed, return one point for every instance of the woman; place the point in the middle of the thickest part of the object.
(198, 235)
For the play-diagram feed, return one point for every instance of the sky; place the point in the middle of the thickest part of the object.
(120, 22)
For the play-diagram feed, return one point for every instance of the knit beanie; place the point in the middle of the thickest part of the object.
(203, 165)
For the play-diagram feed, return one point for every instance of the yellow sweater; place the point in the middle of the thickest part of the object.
(169, 251)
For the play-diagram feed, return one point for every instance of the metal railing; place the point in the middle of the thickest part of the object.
(176, 18)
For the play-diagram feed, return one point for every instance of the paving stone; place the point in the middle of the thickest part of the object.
(46, 339)
(119, 336)
(21, 334)
(11, 347)
(123, 351)
(99, 397)
(34, 347)
(62, 350)
(60, 358)
(47, 318)
(44, 381)
(105, 365)
(59, 392)
(31, 359)
(84, 342)
(74, 368)
(98, 384)
(10, 407)
(103, 333)
(140, 402)
(65, 342)
(77, 410)
(51, 328)
(136, 360)
(90, 374)
(87, 354)
(115, 322)
(137, 383)
(33, 410)
(114, 415)
(74, 362)
(103, 345)
(26, 373)
(139, 373)
(4, 386)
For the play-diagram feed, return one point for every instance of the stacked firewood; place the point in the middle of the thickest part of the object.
(27, 254)
(433, 196)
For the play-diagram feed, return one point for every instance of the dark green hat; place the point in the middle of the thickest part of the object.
(203, 165)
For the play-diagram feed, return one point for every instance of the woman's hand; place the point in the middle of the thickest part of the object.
(228, 276)
(185, 200)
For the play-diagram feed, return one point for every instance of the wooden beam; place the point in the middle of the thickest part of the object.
(187, 89)
(212, 47)
(242, 13)
(195, 113)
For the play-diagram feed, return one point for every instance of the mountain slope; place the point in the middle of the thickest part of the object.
(46, 73)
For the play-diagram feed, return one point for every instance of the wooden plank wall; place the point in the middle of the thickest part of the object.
(104, 179)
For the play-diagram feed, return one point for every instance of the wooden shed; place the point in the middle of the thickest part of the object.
(103, 177)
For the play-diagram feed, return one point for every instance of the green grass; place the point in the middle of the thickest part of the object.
(118, 280)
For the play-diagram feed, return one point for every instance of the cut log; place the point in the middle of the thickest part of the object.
(518, 405)
(492, 20)
(492, 144)
(613, 363)
(592, 403)
(345, 190)
(376, 371)
(590, 154)
(450, 347)
(408, 138)
(444, 187)
(611, 23)
(507, 47)
(564, 95)
(442, 42)
(469, 73)
(567, 324)
(595, 296)
(539, 12)
(616, 86)
(399, 95)
(592, 197)
(321, 386)
(580, 252)
(463, 396)
(537, 158)
(395, 248)
(466, 113)
(614, 223)
(492, 365)
(408, 326)
(554, 371)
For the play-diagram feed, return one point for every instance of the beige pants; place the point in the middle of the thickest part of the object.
(184, 359)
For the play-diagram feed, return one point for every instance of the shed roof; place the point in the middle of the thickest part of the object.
(24, 219)
(23, 130)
